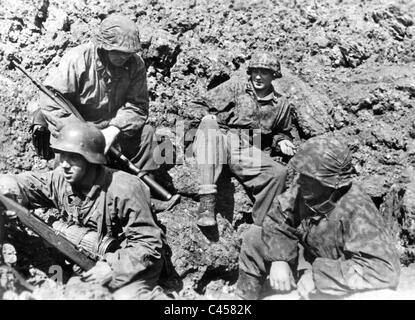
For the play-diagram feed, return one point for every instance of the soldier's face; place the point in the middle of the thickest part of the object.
(118, 58)
(261, 78)
(74, 166)
(313, 191)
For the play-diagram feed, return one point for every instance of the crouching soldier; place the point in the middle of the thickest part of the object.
(105, 80)
(344, 237)
(246, 118)
(112, 203)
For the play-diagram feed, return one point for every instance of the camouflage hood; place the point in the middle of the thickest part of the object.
(119, 33)
(325, 159)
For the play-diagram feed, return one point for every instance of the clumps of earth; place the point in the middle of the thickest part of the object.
(348, 67)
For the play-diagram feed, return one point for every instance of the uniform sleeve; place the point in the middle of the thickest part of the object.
(370, 262)
(31, 190)
(283, 125)
(143, 237)
(65, 80)
(219, 101)
(131, 117)
(278, 228)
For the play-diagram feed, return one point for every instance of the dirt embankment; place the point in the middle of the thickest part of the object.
(348, 67)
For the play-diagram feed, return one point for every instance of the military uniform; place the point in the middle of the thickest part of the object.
(104, 94)
(345, 238)
(118, 205)
(247, 127)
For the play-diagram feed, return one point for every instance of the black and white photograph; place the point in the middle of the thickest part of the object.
(207, 153)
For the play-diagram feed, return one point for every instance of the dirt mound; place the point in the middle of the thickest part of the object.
(348, 67)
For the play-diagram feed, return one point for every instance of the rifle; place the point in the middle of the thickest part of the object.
(48, 234)
(65, 104)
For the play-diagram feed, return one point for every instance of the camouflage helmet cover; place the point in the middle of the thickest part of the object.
(81, 138)
(265, 60)
(325, 159)
(117, 32)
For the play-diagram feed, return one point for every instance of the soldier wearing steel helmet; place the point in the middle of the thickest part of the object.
(95, 198)
(247, 121)
(347, 246)
(105, 79)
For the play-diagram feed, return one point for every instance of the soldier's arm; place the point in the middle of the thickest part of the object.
(141, 248)
(131, 117)
(283, 124)
(370, 261)
(278, 228)
(65, 80)
(219, 101)
(32, 190)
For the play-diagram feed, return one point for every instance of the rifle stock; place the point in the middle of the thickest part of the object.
(60, 100)
(48, 234)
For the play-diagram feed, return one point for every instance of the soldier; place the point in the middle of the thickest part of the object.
(343, 234)
(246, 119)
(106, 81)
(110, 202)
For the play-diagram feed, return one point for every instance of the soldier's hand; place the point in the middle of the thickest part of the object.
(306, 285)
(10, 214)
(281, 277)
(110, 133)
(100, 273)
(287, 147)
(41, 140)
(11, 53)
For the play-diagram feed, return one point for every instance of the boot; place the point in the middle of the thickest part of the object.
(206, 212)
(164, 179)
(248, 287)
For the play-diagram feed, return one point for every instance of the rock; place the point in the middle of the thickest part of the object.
(376, 185)
(200, 254)
(160, 48)
(320, 40)
(311, 108)
(408, 201)
(354, 53)
(9, 254)
(58, 20)
(385, 134)
(392, 18)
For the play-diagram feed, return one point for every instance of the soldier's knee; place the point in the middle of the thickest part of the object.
(209, 118)
(278, 172)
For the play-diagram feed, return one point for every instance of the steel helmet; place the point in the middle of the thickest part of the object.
(81, 138)
(265, 60)
(119, 33)
(325, 159)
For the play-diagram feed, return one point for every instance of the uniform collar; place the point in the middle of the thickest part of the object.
(95, 189)
(272, 96)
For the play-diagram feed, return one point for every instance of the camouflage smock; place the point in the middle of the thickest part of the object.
(237, 106)
(103, 94)
(122, 198)
(349, 242)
